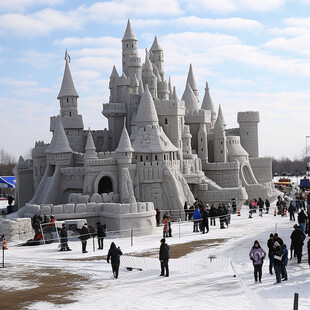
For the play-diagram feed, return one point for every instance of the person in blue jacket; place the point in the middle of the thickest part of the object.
(196, 219)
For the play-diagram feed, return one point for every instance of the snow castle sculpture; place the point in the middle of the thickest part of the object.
(158, 152)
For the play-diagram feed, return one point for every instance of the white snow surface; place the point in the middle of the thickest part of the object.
(195, 281)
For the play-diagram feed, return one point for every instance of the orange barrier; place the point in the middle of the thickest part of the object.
(5, 245)
(275, 212)
(239, 212)
(284, 211)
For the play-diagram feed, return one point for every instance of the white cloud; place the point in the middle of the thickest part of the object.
(288, 31)
(37, 59)
(223, 23)
(298, 45)
(237, 81)
(38, 24)
(228, 6)
(88, 41)
(17, 83)
(22, 5)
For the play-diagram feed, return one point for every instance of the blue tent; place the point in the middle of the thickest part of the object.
(8, 182)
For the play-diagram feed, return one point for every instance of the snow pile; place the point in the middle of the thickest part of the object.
(16, 230)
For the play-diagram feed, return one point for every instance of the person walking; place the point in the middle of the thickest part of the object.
(260, 204)
(164, 256)
(284, 262)
(114, 255)
(267, 204)
(298, 238)
(84, 236)
(165, 226)
(278, 255)
(270, 252)
(64, 239)
(302, 217)
(101, 234)
(257, 255)
(291, 210)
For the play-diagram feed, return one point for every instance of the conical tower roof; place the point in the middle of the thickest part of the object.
(220, 114)
(190, 99)
(21, 163)
(59, 143)
(90, 148)
(207, 103)
(67, 86)
(147, 64)
(129, 34)
(175, 95)
(156, 46)
(141, 88)
(219, 127)
(191, 80)
(146, 114)
(114, 73)
(124, 144)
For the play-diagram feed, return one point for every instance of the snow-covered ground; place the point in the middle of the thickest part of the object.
(199, 284)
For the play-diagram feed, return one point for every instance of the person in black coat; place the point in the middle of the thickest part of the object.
(278, 256)
(270, 243)
(64, 239)
(101, 233)
(205, 222)
(114, 254)
(291, 210)
(164, 256)
(84, 236)
(267, 204)
(298, 238)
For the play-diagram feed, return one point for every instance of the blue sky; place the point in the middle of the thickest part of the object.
(255, 55)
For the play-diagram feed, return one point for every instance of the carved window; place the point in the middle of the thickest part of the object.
(141, 158)
(155, 157)
(67, 100)
(166, 121)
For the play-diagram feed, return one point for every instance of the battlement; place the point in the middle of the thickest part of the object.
(248, 116)
(134, 61)
(118, 107)
(106, 154)
(102, 162)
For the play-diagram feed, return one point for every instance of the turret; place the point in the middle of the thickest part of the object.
(72, 122)
(113, 77)
(248, 130)
(157, 57)
(148, 76)
(220, 147)
(202, 143)
(207, 104)
(124, 149)
(130, 52)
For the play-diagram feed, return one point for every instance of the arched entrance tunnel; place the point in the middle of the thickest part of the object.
(105, 185)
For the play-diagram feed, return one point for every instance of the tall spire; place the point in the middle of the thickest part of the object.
(220, 114)
(141, 88)
(175, 95)
(146, 114)
(207, 104)
(191, 81)
(114, 73)
(67, 86)
(190, 99)
(59, 143)
(129, 34)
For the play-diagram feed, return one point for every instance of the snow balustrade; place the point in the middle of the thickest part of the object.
(116, 216)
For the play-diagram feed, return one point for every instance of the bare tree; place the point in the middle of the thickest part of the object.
(7, 163)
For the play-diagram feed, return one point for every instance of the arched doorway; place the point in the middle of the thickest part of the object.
(105, 185)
